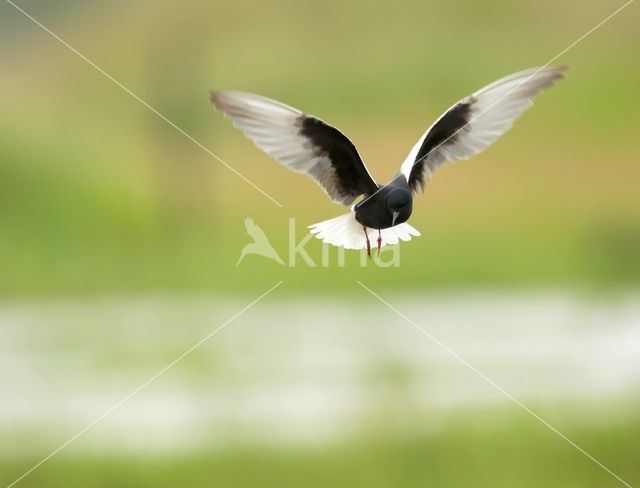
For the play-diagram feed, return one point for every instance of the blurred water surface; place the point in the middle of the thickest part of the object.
(307, 371)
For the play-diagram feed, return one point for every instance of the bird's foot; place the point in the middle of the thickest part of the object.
(379, 241)
(366, 236)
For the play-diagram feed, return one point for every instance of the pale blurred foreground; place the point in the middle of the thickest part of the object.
(306, 371)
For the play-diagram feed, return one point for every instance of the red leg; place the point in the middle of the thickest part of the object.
(379, 241)
(366, 236)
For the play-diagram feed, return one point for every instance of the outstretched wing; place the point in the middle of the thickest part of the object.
(300, 142)
(475, 122)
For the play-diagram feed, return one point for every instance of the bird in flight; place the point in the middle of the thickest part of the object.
(306, 144)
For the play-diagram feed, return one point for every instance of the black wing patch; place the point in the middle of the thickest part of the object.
(444, 132)
(351, 177)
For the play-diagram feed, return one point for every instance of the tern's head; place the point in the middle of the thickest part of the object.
(399, 203)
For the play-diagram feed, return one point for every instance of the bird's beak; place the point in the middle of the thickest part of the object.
(395, 216)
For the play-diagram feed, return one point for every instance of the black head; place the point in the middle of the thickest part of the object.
(399, 203)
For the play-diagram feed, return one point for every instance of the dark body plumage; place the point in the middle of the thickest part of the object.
(390, 205)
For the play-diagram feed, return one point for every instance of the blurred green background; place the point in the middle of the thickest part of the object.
(101, 197)
(99, 194)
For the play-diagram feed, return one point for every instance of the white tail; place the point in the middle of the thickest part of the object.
(345, 231)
